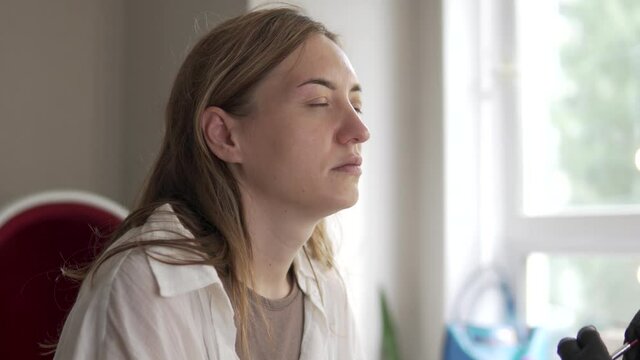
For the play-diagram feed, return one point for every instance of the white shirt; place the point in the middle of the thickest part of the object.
(140, 308)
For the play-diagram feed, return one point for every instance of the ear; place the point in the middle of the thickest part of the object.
(220, 133)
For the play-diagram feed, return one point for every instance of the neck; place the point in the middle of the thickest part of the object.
(276, 237)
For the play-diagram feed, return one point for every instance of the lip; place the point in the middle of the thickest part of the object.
(350, 165)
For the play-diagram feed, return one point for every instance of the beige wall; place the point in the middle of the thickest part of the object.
(156, 44)
(60, 96)
(83, 86)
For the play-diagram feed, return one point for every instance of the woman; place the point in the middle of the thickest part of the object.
(226, 256)
(589, 346)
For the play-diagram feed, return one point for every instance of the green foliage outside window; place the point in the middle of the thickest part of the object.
(598, 118)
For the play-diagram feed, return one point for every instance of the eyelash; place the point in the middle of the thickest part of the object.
(357, 109)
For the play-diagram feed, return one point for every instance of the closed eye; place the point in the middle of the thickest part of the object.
(357, 109)
(319, 104)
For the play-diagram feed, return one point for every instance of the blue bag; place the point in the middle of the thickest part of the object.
(509, 340)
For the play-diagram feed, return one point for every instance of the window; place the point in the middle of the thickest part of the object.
(579, 105)
(560, 95)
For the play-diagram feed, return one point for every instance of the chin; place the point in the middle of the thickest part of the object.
(344, 202)
(333, 200)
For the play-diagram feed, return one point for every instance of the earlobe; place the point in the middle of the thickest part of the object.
(218, 128)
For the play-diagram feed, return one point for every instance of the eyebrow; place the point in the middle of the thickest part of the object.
(328, 84)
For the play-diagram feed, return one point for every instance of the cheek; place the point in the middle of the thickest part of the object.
(290, 142)
(311, 144)
(301, 152)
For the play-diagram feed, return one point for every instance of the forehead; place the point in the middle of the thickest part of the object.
(317, 57)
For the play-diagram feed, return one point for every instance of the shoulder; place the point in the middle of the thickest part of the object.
(107, 299)
(154, 301)
(115, 289)
(168, 268)
(127, 274)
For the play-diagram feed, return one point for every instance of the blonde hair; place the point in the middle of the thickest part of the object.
(221, 70)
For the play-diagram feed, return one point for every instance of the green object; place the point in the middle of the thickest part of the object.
(390, 350)
(598, 116)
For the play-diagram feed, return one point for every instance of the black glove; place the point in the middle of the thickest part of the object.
(587, 346)
(632, 333)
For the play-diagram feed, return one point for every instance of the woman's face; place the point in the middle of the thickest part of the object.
(301, 143)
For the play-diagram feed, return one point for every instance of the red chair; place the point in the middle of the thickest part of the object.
(38, 235)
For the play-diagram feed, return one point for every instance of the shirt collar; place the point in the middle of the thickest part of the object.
(174, 280)
(310, 275)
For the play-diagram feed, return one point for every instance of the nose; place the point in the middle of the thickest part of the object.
(353, 130)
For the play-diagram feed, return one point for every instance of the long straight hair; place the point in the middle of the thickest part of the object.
(221, 70)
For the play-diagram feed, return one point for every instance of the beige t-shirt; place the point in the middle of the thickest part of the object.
(281, 336)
